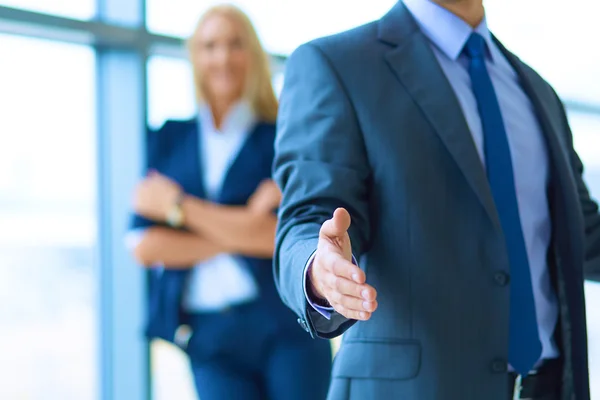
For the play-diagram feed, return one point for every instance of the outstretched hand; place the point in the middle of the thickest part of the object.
(334, 277)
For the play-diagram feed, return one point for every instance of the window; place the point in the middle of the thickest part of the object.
(282, 25)
(556, 39)
(170, 90)
(79, 9)
(586, 135)
(47, 188)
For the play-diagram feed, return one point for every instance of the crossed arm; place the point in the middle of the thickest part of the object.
(173, 248)
(240, 230)
(214, 229)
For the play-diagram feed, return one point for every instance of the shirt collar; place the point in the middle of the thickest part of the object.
(240, 118)
(444, 29)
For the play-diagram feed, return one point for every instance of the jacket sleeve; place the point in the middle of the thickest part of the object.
(591, 216)
(152, 152)
(591, 219)
(320, 164)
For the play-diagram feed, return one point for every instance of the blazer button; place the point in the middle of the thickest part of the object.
(499, 366)
(303, 324)
(501, 278)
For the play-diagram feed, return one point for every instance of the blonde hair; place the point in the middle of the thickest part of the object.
(259, 89)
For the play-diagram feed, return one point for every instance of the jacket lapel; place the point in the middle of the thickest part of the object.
(190, 162)
(246, 170)
(415, 66)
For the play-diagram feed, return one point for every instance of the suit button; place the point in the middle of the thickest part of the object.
(499, 366)
(501, 278)
(303, 324)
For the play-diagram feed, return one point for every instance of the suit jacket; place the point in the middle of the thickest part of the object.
(173, 151)
(369, 122)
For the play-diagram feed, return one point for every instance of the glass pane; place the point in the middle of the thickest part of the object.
(47, 189)
(277, 80)
(171, 374)
(170, 90)
(556, 38)
(586, 134)
(170, 96)
(282, 24)
(80, 9)
(564, 56)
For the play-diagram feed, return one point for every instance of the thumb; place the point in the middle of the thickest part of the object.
(338, 225)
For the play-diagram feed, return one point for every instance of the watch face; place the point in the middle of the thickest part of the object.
(175, 217)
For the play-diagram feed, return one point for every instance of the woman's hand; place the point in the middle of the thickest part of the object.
(155, 195)
(265, 198)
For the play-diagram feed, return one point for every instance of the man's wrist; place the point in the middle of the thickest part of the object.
(324, 310)
(311, 292)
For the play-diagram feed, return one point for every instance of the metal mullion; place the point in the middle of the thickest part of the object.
(582, 107)
(92, 32)
(122, 120)
(121, 41)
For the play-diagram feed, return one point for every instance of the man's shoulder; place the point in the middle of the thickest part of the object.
(529, 73)
(352, 43)
(541, 86)
(357, 36)
(537, 86)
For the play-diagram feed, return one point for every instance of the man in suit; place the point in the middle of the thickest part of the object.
(449, 169)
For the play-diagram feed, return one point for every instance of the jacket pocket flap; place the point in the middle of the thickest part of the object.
(378, 360)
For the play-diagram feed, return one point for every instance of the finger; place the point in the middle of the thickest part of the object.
(351, 302)
(338, 225)
(342, 220)
(351, 314)
(347, 287)
(339, 266)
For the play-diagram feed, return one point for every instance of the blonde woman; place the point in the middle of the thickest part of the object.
(205, 223)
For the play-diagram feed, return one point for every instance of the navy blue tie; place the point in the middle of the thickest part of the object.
(524, 344)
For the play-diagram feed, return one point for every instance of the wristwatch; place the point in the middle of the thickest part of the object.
(175, 214)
